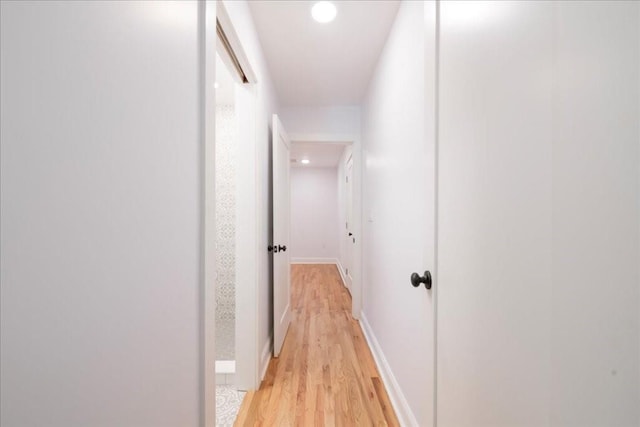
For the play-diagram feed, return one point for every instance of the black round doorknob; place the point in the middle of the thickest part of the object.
(271, 248)
(282, 248)
(416, 279)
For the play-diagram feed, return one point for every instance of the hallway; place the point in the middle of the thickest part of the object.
(320, 212)
(325, 374)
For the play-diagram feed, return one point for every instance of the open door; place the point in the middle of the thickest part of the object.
(281, 222)
(349, 216)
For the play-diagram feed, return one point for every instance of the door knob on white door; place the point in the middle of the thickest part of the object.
(416, 279)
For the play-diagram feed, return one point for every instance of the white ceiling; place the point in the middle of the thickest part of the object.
(315, 64)
(320, 154)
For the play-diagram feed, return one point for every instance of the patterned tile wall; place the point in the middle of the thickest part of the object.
(225, 232)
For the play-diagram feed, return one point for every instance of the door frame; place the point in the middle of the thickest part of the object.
(348, 204)
(247, 251)
(355, 142)
(207, 304)
(210, 13)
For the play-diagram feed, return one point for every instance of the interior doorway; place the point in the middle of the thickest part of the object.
(236, 354)
(322, 205)
(226, 177)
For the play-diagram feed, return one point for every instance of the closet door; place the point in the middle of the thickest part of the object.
(494, 245)
(538, 214)
(595, 306)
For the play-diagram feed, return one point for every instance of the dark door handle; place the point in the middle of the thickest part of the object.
(350, 234)
(276, 248)
(416, 279)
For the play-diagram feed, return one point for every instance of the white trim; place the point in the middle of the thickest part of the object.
(235, 44)
(207, 104)
(314, 261)
(398, 401)
(285, 316)
(248, 250)
(342, 273)
(346, 139)
(265, 358)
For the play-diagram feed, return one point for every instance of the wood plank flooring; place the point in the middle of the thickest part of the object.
(325, 375)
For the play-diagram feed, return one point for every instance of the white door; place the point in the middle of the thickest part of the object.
(494, 246)
(281, 212)
(538, 214)
(350, 239)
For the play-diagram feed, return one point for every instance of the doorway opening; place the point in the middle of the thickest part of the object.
(225, 172)
(228, 398)
(236, 357)
(322, 205)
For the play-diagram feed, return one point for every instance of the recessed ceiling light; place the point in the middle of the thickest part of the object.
(324, 11)
(305, 161)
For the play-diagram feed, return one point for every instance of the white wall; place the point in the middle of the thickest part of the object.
(100, 214)
(314, 215)
(333, 121)
(398, 215)
(257, 212)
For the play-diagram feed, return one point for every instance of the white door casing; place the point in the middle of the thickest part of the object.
(349, 233)
(248, 250)
(281, 233)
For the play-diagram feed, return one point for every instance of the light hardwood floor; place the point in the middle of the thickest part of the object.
(325, 374)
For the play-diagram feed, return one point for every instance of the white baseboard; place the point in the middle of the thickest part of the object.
(314, 261)
(265, 357)
(341, 271)
(398, 401)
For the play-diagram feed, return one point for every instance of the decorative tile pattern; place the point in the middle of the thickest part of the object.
(225, 232)
(228, 401)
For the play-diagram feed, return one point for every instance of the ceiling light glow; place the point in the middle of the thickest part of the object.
(324, 11)
(305, 161)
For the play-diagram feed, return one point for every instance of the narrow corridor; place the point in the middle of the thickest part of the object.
(325, 374)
